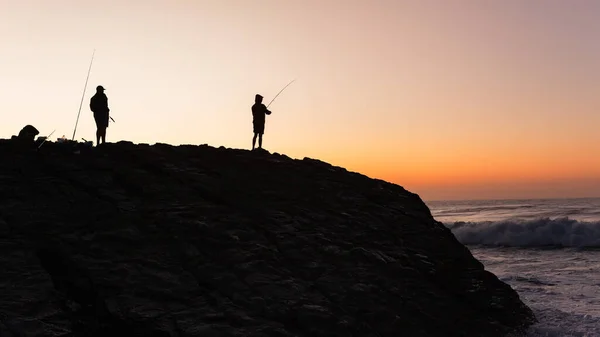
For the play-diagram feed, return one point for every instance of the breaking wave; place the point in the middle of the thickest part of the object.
(543, 232)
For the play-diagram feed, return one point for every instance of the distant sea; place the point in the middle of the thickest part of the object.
(547, 250)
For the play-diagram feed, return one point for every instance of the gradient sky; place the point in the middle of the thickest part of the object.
(465, 99)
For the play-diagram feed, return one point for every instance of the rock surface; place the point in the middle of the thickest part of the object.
(197, 241)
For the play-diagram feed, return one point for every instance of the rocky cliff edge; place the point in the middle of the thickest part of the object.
(159, 240)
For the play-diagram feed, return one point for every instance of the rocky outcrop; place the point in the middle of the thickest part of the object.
(197, 241)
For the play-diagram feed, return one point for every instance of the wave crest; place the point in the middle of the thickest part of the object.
(543, 232)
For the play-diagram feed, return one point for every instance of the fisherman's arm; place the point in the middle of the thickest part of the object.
(266, 110)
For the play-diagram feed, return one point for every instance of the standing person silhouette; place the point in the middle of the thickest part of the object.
(259, 110)
(99, 105)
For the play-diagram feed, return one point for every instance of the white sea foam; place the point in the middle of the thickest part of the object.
(560, 232)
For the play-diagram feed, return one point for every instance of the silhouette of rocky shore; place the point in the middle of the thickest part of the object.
(140, 240)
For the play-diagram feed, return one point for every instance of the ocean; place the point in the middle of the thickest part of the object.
(547, 250)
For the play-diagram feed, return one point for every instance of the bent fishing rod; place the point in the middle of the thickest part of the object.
(82, 96)
(280, 92)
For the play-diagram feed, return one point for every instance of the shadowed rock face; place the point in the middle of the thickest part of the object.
(196, 241)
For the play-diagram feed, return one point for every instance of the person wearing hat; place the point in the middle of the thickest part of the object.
(99, 105)
(259, 110)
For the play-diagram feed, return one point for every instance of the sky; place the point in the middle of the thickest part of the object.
(465, 99)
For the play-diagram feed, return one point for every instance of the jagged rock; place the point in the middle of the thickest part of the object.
(199, 241)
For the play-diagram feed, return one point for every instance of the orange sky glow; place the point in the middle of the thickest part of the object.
(462, 99)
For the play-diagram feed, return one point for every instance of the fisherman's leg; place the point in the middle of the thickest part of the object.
(254, 141)
(260, 140)
(106, 121)
(97, 136)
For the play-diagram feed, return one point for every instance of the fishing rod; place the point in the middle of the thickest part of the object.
(82, 96)
(280, 92)
(45, 139)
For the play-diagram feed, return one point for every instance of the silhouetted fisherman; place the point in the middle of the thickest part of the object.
(99, 105)
(259, 110)
(28, 133)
